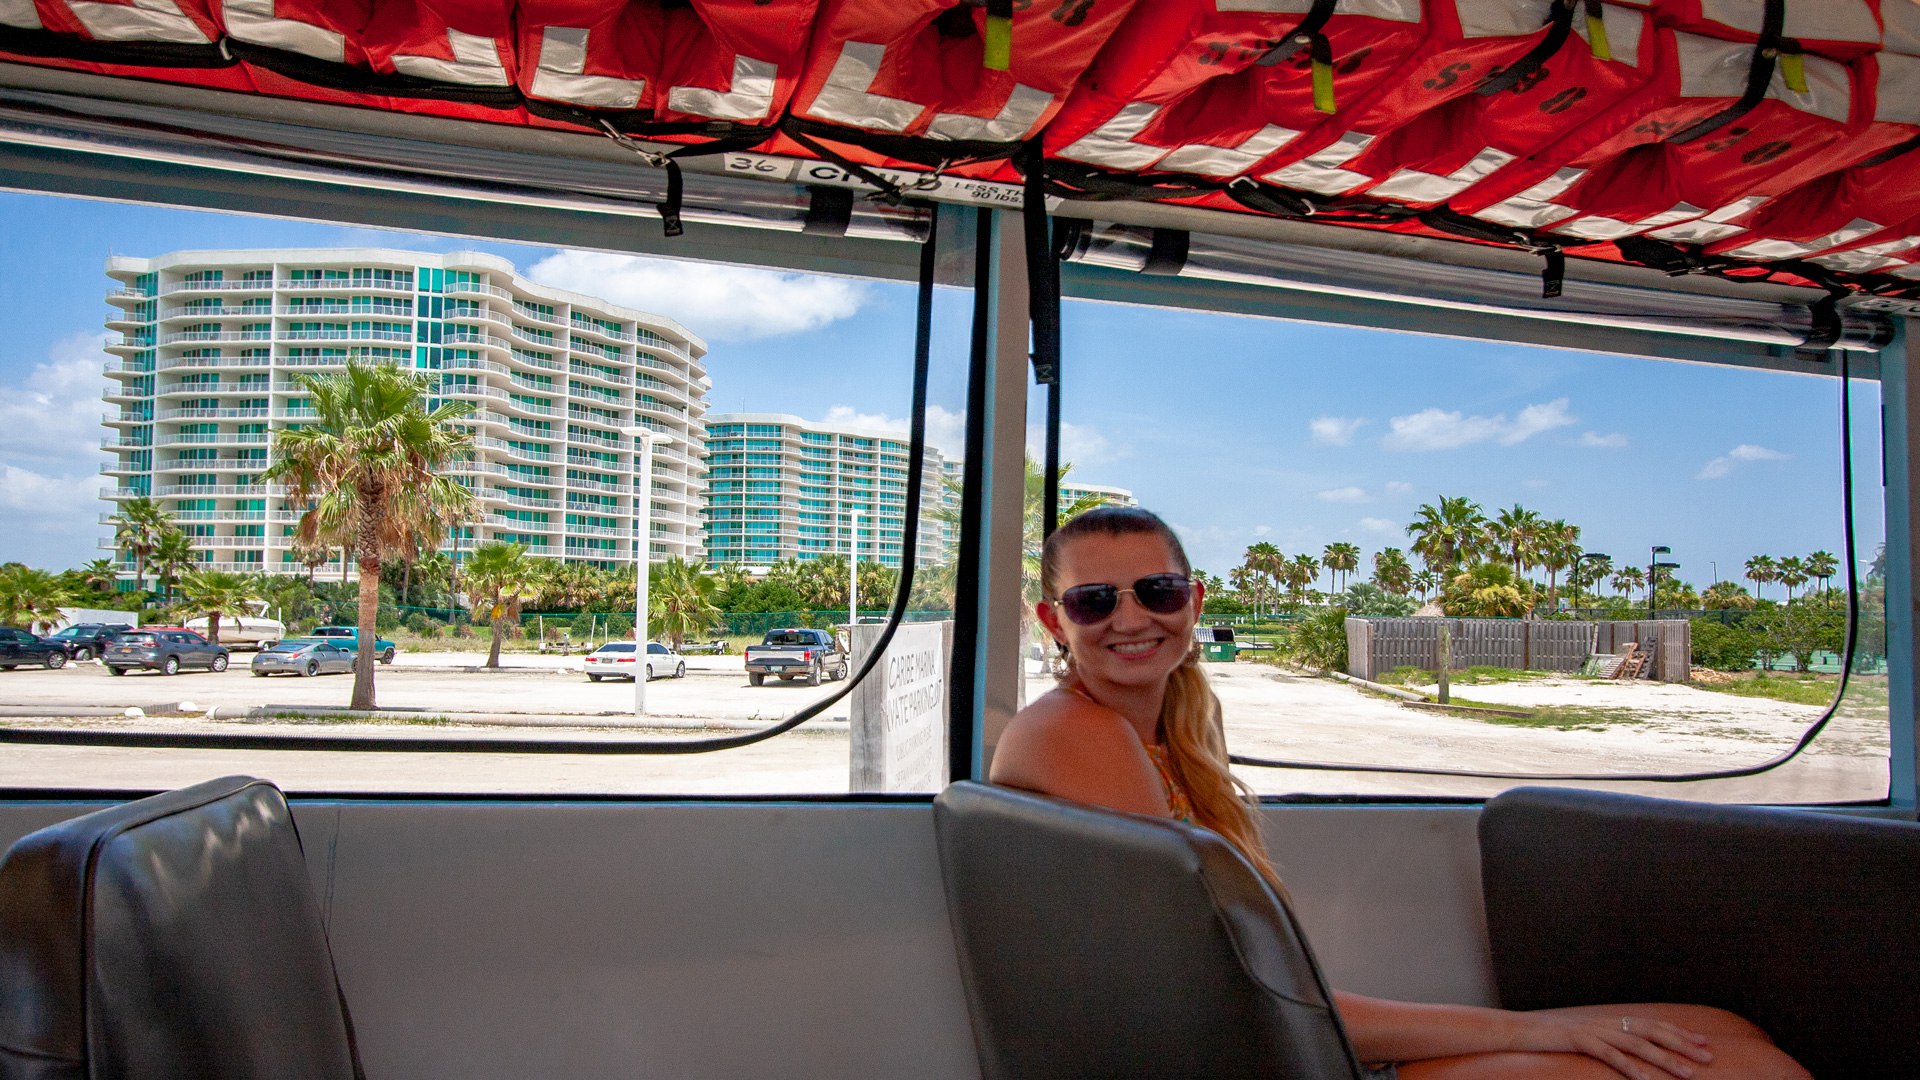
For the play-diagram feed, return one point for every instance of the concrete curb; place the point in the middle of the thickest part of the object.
(272, 713)
(1391, 691)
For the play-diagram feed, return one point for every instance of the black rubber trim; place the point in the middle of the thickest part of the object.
(1043, 305)
(54, 46)
(966, 585)
(1168, 255)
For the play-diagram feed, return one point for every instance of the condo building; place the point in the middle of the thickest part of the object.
(779, 487)
(213, 343)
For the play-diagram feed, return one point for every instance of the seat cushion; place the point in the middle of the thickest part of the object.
(169, 937)
(1097, 944)
(1806, 923)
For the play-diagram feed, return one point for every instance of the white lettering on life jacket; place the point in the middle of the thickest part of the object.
(1714, 226)
(141, 20)
(476, 62)
(1024, 108)
(845, 100)
(561, 74)
(1412, 185)
(1793, 249)
(254, 22)
(750, 97)
(1534, 208)
(1321, 172)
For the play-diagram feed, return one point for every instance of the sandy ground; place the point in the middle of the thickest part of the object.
(1644, 728)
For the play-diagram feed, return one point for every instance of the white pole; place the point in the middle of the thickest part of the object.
(642, 555)
(853, 575)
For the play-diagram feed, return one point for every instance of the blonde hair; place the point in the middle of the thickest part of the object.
(1190, 720)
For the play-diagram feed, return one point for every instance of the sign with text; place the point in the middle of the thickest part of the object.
(899, 720)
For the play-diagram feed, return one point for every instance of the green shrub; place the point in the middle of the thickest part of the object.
(582, 627)
(619, 626)
(1723, 647)
(420, 623)
(1320, 640)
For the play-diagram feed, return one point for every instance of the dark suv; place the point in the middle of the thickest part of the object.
(163, 649)
(19, 647)
(84, 641)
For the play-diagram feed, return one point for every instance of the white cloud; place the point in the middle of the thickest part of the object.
(1342, 495)
(718, 303)
(1719, 467)
(50, 445)
(1536, 484)
(1438, 429)
(1335, 430)
(1612, 441)
(946, 430)
(1399, 487)
(1380, 525)
(1080, 446)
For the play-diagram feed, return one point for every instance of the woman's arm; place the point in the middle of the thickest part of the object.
(1645, 1049)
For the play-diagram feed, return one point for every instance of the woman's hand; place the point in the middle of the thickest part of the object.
(1639, 1047)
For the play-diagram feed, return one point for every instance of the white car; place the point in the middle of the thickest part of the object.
(615, 660)
(252, 630)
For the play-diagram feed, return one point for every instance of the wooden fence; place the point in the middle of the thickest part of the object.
(1377, 646)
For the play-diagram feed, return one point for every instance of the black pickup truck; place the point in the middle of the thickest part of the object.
(790, 654)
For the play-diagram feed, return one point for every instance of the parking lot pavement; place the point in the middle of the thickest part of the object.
(427, 682)
(1269, 713)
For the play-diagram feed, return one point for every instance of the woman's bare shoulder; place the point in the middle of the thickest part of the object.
(1067, 745)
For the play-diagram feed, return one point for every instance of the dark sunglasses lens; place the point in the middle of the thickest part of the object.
(1163, 594)
(1088, 604)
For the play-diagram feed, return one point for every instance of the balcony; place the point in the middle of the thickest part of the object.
(400, 284)
(218, 286)
(215, 362)
(211, 414)
(182, 491)
(191, 312)
(216, 335)
(474, 288)
(346, 335)
(224, 438)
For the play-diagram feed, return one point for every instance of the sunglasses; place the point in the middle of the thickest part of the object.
(1162, 594)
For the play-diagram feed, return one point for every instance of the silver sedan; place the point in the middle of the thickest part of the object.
(302, 658)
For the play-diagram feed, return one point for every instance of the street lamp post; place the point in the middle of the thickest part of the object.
(644, 440)
(1654, 566)
(1595, 556)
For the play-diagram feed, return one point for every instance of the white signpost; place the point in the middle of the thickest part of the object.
(899, 720)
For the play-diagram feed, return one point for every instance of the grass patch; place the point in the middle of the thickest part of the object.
(1557, 717)
(1863, 692)
(1477, 675)
(341, 718)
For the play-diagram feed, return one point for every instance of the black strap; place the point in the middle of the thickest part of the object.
(1559, 28)
(57, 46)
(1766, 53)
(1168, 255)
(1309, 34)
(314, 72)
(919, 149)
(1267, 199)
(1553, 275)
(1043, 288)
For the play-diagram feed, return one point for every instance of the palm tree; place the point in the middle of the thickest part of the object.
(1760, 570)
(369, 470)
(1726, 594)
(1391, 571)
(1340, 557)
(137, 528)
(1822, 565)
(680, 600)
(100, 575)
(1424, 582)
(1299, 575)
(215, 594)
(1629, 579)
(1559, 548)
(30, 596)
(173, 556)
(1589, 573)
(1519, 530)
(1791, 571)
(499, 577)
(1449, 534)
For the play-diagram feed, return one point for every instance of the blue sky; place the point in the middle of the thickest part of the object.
(1237, 430)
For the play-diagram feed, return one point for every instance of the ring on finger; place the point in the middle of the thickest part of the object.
(1626, 1024)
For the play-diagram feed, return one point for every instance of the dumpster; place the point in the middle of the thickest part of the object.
(1216, 644)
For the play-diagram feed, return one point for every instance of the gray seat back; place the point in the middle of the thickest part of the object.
(1804, 923)
(1096, 944)
(174, 936)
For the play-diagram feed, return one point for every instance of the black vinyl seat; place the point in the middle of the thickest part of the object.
(172, 937)
(1097, 944)
(1804, 923)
